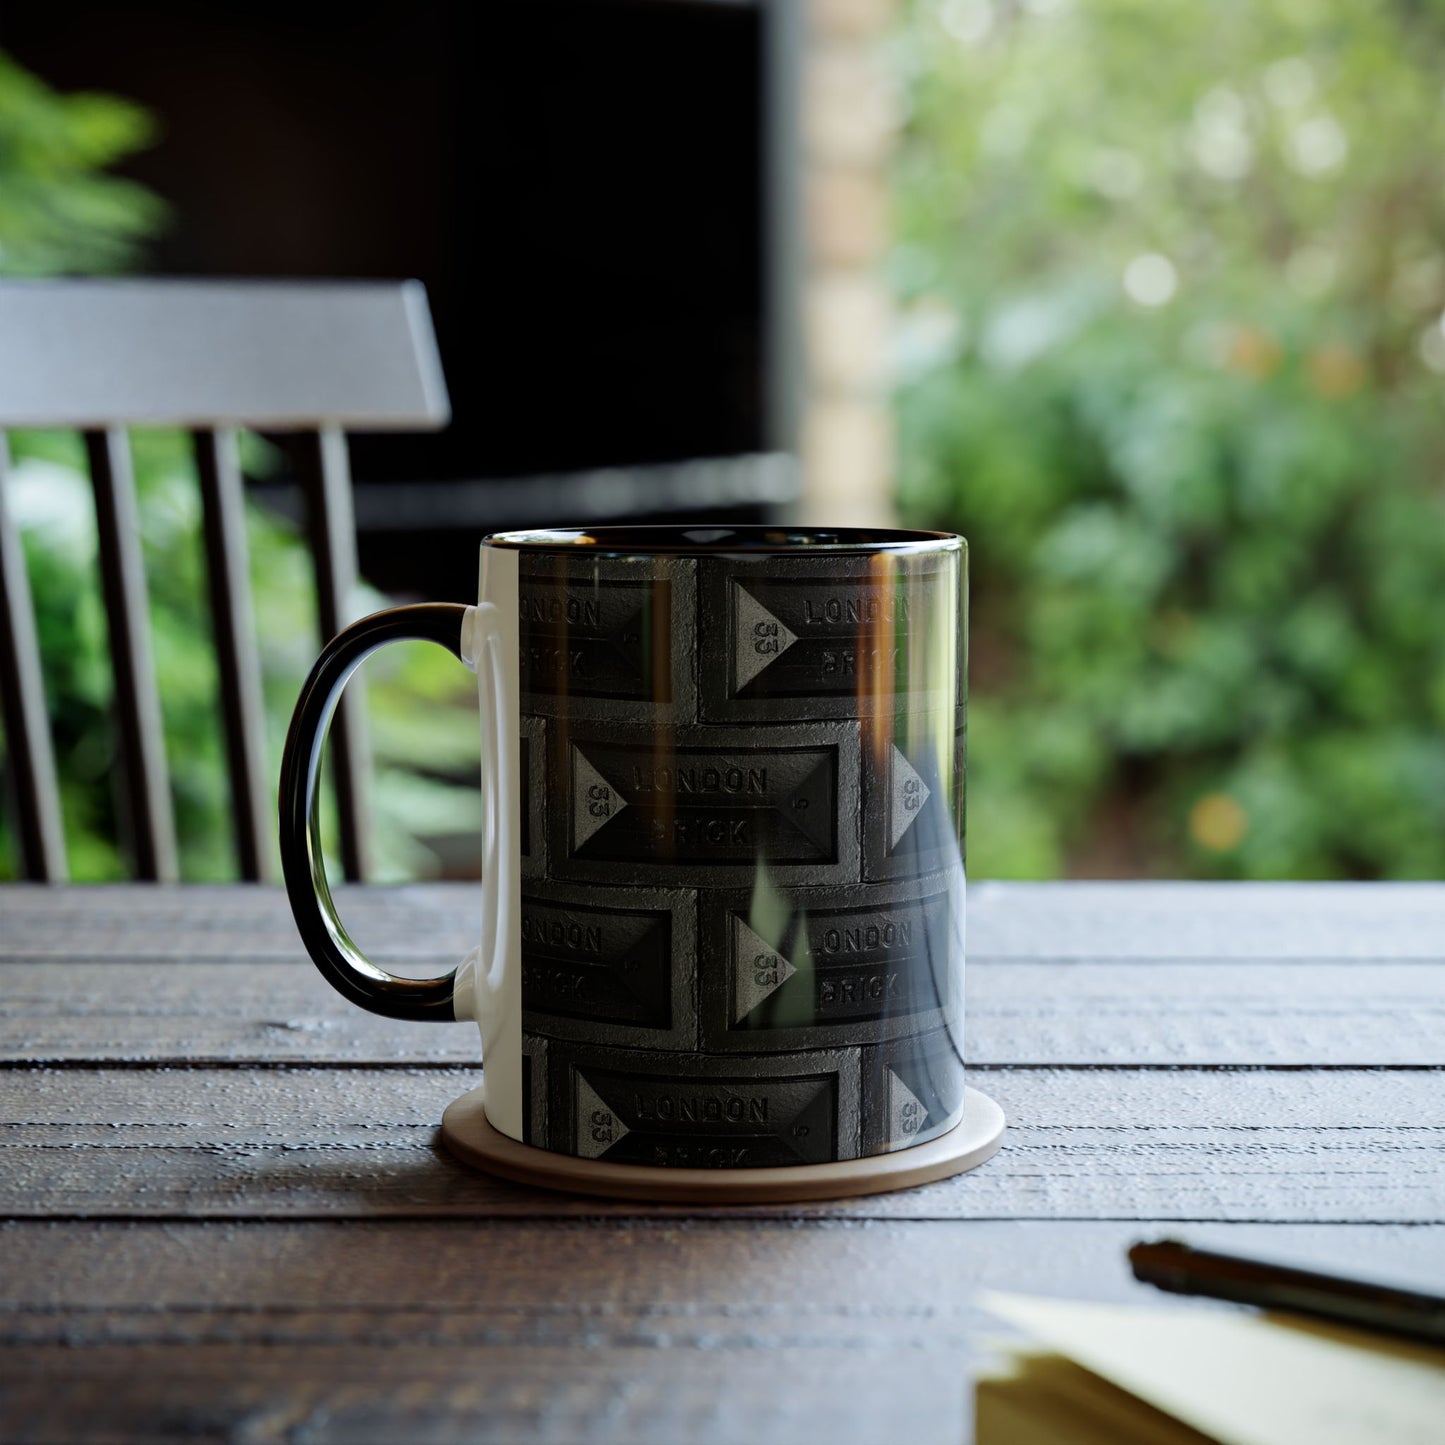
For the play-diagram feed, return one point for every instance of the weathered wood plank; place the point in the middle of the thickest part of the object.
(1208, 1012)
(244, 922)
(519, 1282)
(532, 1332)
(285, 1252)
(1146, 922)
(1150, 921)
(1346, 1145)
(1324, 1014)
(442, 1393)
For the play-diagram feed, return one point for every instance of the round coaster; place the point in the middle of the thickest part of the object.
(975, 1138)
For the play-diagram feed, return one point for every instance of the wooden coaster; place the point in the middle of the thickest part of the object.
(975, 1138)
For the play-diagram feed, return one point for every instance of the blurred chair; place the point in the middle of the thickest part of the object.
(100, 356)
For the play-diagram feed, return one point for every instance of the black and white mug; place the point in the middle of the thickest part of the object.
(723, 869)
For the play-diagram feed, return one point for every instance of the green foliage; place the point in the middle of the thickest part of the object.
(59, 211)
(1172, 279)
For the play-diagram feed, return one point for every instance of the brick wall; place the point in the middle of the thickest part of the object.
(848, 128)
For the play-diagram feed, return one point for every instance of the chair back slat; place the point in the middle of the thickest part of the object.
(233, 624)
(29, 759)
(150, 832)
(325, 476)
(276, 356)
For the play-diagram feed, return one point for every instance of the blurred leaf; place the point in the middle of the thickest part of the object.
(59, 210)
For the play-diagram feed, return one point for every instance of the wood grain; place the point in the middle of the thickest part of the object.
(1273, 922)
(1213, 1012)
(1361, 1145)
(510, 1282)
(229, 1218)
(767, 1332)
(232, 922)
(1147, 922)
(439, 1394)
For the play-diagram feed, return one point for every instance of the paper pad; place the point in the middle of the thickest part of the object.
(1236, 1377)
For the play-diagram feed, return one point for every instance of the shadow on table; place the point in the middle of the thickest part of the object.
(1049, 1400)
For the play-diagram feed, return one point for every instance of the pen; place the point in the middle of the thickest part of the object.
(1181, 1269)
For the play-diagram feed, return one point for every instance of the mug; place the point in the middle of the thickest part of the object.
(722, 861)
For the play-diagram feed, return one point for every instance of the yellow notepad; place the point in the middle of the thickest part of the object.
(1124, 1373)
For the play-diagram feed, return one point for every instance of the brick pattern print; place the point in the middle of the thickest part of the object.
(742, 874)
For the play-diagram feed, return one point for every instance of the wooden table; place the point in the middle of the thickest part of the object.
(228, 1216)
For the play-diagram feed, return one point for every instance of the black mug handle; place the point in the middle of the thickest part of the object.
(345, 967)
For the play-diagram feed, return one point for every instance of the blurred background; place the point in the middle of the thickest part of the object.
(1148, 301)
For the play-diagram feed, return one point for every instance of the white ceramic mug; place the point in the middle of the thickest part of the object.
(723, 775)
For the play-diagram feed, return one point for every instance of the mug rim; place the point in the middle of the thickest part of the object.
(710, 540)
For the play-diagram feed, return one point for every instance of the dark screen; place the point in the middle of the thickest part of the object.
(576, 182)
